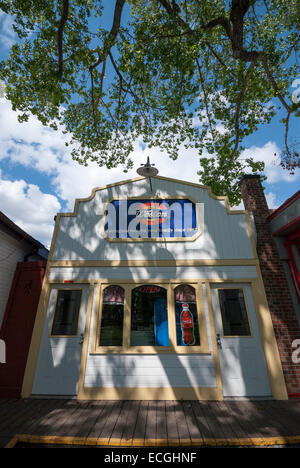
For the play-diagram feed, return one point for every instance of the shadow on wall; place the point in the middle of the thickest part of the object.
(79, 237)
(59, 361)
(58, 369)
(83, 243)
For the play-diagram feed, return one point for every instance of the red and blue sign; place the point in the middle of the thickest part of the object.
(152, 213)
(151, 219)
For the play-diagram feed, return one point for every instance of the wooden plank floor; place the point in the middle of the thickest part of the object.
(150, 423)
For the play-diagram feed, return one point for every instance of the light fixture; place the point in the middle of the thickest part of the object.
(147, 170)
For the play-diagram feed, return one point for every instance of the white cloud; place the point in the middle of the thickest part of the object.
(29, 208)
(30, 144)
(35, 146)
(269, 154)
(75, 181)
(272, 200)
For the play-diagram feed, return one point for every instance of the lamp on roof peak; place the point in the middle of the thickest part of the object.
(147, 170)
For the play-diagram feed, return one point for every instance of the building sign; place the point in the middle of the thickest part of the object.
(149, 289)
(151, 213)
(152, 219)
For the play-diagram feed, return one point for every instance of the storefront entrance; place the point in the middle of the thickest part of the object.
(155, 333)
(242, 359)
(60, 354)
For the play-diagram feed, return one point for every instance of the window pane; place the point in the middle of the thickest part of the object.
(149, 316)
(234, 312)
(113, 295)
(187, 326)
(66, 312)
(111, 331)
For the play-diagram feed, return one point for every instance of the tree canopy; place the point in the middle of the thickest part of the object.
(174, 73)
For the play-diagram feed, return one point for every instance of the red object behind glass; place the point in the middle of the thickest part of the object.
(187, 325)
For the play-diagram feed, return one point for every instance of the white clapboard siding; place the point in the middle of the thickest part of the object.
(152, 371)
(223, 236)
(144, 273)
(130, 361)
(12, 251)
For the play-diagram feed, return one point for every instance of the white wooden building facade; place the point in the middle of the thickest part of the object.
(94, 278)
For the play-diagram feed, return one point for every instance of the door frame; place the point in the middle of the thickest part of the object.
(266, 331)
(253, 336)
(40, 321)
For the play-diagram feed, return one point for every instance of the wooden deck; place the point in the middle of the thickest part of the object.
(149, 423)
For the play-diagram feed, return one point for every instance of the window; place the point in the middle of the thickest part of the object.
(149, 316)
(187, 326)
(111, 330)
(65, 322)
(234, 312)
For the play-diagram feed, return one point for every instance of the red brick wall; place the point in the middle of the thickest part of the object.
(276, 287)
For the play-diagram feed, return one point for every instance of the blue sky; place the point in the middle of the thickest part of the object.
(38, 177)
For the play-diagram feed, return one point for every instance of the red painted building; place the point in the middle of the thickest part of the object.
(22, 269)
(285, 227)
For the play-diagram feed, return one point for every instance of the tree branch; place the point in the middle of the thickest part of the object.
(286, 134)
(101, 82)
(234, 28)
(102, 54)
(93, 101)
(128, 88)
(220, 21)
(219, 59)
(171, 9)
(115, 26)
(95, 65)
(122, 79)
(238, 10)
(108, 44)
(290, 49)
(63, 20)
(205, 99)
(238, 109)
(273, 82)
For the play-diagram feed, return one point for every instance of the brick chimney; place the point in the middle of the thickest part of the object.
(283, 315)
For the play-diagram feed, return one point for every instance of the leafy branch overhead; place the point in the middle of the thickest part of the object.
(190, 73)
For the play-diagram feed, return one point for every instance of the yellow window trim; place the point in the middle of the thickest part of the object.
(66, 288)
(247, 311)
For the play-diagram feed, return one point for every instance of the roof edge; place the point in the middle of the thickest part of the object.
(136, 179)
(284, 205)
(22, 234)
